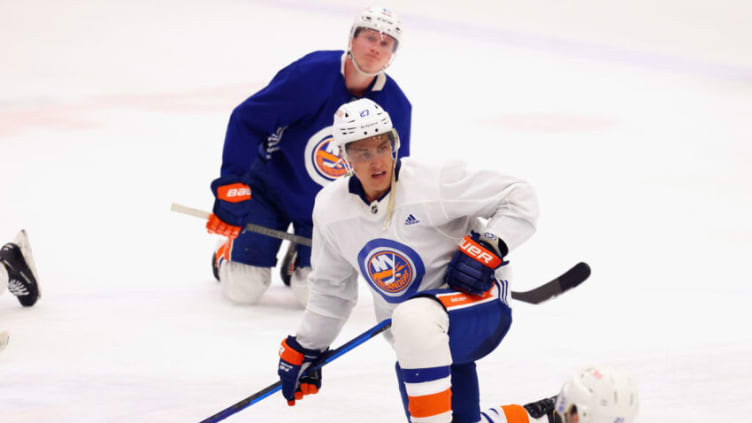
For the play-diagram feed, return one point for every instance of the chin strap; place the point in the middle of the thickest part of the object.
(393, 187)
(355, 63)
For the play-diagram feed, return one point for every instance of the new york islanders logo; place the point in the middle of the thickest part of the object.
(390, 270)
(322, 159)
(394, 270)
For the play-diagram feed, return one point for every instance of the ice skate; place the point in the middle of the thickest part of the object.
(22, 274)
(215, 267)
(545, 407)
(221, 253)
(288, 264)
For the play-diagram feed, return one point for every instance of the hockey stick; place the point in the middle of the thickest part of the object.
(566, 281)
(321, 362)
(249, 226)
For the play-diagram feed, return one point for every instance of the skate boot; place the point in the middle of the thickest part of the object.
(545, 407)
(288, 263)
(22, 273)
(215, 267)
(220, 254)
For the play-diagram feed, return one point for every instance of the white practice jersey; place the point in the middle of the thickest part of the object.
(435, 207)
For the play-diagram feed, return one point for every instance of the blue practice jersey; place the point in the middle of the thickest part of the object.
(282, 134)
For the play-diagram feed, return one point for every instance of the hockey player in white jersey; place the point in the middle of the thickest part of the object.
(413, 232)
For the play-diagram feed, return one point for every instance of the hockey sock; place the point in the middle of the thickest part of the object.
(420, 329)
(429, 392)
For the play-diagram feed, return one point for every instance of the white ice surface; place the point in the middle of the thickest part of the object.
(632, 119)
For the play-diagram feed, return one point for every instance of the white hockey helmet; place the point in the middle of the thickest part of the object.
(600, 394)
(361, 119)
(379, 19)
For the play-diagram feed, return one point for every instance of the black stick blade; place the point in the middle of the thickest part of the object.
(574, 276)
(568, 280)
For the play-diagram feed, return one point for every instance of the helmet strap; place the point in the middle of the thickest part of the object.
(392, 194)
(345, 161)
(355, 64)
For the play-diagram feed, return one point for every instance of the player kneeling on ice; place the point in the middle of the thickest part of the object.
(412, 231)
(278, 154)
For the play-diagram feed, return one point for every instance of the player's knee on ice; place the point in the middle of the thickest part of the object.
(243, 283)
(299, 284)
(420, 328)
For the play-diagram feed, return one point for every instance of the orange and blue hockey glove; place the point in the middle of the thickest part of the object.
(231, 206)
(472, 267)
(217, 226)
(293, 362)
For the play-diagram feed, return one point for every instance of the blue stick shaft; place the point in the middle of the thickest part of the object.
(323, 361)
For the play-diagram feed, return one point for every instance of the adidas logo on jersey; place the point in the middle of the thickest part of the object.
(411, 220)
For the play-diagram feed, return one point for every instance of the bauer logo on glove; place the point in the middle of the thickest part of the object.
(231, 206)
(472, 267)
(476, 251)
(234, 193)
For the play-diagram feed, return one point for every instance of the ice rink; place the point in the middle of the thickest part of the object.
(633, 120)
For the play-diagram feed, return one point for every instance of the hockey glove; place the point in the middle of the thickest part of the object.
(231, 206)
(293, 362)
(472, 267)
(215, 225)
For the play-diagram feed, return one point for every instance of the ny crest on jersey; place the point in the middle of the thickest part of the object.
(322, 159)
(393, 269)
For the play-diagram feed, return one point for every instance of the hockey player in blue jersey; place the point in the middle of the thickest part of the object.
(278, 152)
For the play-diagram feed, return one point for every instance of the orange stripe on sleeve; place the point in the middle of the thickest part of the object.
(515, 414)
(430, 405)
